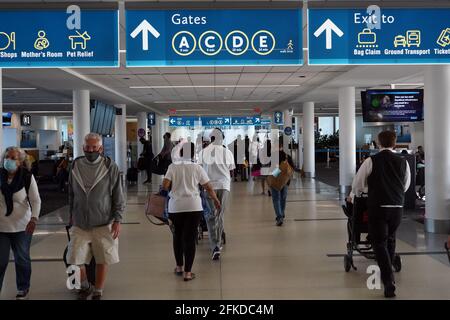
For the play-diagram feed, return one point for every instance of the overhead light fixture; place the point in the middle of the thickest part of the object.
(192, 110)
(219, 86)
(215, 101)
(52, 111)
(19, 89)
(244, 109)
(36, 103)
(408, 84)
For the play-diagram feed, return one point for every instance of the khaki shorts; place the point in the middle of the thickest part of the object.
(97, 242)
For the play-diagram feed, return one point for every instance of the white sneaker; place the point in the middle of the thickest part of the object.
(216, 254)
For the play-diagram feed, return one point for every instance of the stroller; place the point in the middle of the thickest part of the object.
(358, 218)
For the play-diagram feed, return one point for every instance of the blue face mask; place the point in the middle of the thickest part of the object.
(10, 165)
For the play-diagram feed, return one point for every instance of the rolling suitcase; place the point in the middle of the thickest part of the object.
(90, 268)
(132, 175)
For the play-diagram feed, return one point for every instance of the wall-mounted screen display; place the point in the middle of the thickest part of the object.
(392, 105)
(7, 119)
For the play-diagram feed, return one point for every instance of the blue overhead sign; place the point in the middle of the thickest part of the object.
(151, 119)
(214, 37)
(404, 36)
(41, 38)
(183, 121)
(278, 117)
(266, 122)
(288, 131)
(246, 121)
(215, 121)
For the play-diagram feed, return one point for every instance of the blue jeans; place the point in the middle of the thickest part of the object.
(279, 201)
(20, 243)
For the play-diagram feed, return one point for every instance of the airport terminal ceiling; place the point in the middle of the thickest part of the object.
(197, 90)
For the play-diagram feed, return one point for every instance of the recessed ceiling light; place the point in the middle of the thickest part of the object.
(213, 101)
(19, 89)
(225, 87)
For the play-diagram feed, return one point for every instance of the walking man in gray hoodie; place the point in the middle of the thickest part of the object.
(96, 204)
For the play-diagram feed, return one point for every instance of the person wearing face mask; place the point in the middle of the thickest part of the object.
(20, 205)
(96, 205)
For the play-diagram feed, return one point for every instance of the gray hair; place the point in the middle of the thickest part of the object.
(22, 156)
(93, 135)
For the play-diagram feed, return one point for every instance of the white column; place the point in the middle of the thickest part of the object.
(120, 137)
(300, 141)
(287, 118)
(1, 110)
(347, 138)
(51, 123)
(309, 156)
(142, 124)
(58, 127)
(437, 148)
(81, 120)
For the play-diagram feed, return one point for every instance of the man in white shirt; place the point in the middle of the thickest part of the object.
(385, 177)
(217, 161)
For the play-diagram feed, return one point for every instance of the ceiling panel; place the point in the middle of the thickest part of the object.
(202, 79)
(129, 80)
(250, 78)
(242, 92)
(227, 79)
(257, 69)
(146, 70)
(168, 70)
(228, 69)
(154, 80)
(178, 79)
(275, 78)
(205, 92)
(200, 69)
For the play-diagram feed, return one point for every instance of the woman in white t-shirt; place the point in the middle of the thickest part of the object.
(20, 206)
(183, 178)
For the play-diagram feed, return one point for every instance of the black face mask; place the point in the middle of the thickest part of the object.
(92, 156)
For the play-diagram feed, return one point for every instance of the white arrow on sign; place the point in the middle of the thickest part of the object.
(172, 121)
(145, 27)
(227, 120)
(328, 26)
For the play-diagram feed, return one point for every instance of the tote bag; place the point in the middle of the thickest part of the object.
(283, 177)
(155, 206)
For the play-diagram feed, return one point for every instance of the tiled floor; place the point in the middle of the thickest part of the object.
(260, 260)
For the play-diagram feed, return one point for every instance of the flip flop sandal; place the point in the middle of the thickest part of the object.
(191, 278)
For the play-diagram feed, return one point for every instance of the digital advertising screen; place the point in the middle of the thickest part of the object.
(7, 119)
(392, 105)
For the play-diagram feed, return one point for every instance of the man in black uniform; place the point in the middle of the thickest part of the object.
(386, 177)
(147, 153)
